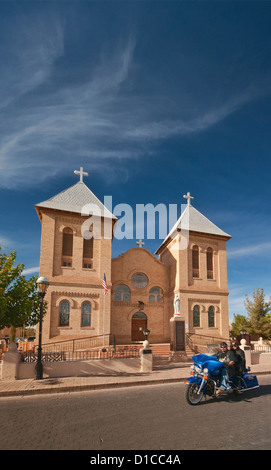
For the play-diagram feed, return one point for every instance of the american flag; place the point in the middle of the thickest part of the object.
(105, 285)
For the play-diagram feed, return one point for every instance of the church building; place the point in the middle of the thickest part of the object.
(179, 291)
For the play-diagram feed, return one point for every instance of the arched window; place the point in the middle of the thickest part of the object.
(211, 317)
(88, 253)
(122, 293)
(86, 314)
(155, 294)
(196, 316)
(209, 260)
(67, 247)
(195, 261)
(64, 311)
(139, 316)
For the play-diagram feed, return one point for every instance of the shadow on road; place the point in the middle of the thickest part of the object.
(245, 396)
(236, 397)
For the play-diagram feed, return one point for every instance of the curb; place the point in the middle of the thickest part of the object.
(81, 388)
(102, 386)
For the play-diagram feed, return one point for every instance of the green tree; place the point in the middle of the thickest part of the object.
(19, 299)
(258, 312)
(240, 322)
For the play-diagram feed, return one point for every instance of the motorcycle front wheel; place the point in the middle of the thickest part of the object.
(192, 396)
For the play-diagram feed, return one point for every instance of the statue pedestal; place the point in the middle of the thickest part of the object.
(11, 361)
(146, 359)
(177, 334)
(247, 351)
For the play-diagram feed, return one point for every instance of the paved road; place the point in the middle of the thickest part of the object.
(147, 417)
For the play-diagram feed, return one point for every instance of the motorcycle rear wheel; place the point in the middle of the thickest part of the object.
(192, 396)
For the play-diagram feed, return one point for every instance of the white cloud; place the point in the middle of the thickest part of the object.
(204, 119)
(34, 270)
(255, 249)
(5, 243)
(78, 121)
(102, 118)
(28, 60)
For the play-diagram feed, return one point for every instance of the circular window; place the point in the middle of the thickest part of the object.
(140, 280)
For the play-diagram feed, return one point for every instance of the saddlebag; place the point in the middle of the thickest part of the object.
(250, 381)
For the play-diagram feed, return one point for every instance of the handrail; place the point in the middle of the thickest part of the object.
(78, 343)
(190, 337)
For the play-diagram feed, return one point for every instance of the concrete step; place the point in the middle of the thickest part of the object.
(160, 349)
(188, 351)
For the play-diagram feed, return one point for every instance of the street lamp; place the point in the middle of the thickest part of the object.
(243, 332)
(146, 333)
(146, 344)
(43, 284)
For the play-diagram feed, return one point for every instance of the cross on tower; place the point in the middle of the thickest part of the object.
(81, 173)
(140, 243)
(188, 197)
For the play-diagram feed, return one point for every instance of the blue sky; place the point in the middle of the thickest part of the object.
(153, 99)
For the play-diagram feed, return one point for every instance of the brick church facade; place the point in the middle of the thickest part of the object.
(184, 288)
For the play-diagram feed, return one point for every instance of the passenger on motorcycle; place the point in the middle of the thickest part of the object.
(240, 364)
(229, 359)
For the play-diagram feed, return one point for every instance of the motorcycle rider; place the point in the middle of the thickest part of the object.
(228, 358)
(240, 358)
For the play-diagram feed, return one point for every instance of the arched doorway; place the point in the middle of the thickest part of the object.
(139, 323)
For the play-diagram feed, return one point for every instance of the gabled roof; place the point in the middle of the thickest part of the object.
(73, 199)
(191, 219)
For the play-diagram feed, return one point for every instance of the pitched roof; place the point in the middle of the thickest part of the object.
(73, 199)
(191, 219)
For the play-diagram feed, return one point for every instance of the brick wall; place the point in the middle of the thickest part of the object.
(73, 283)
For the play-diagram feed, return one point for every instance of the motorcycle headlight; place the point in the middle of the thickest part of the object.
(198, 369)
(192, 370)
(205, 371)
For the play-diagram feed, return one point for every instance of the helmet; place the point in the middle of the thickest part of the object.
(223, 345)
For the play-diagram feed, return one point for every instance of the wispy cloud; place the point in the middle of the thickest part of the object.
(28, 60)
(205, 119)
(49, 122)
(34, 270)
(5, 243)
(250, 250)
(75, 121)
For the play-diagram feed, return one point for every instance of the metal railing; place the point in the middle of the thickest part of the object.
(111, 352)
(261, 348)
(46, 357)
(201, 343)
(71, 345)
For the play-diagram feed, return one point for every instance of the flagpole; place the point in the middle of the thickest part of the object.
(103, 319)
(105, 292)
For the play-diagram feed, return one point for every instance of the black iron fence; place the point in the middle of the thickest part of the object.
(93, 354)
(45, 357)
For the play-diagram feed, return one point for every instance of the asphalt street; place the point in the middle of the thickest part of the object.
(134, 418)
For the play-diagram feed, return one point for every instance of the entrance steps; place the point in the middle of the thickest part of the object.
(160, 349)
(66, 343)
(188, 351)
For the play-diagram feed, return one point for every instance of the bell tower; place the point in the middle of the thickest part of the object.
(195, 253)
(75, 253)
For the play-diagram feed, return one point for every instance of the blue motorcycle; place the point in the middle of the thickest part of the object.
(205, 379)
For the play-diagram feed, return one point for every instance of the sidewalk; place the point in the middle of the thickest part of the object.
(167, 373)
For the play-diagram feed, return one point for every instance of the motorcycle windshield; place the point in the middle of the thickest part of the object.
(209, 362)
(202, 358)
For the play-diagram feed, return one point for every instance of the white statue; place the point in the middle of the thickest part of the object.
(177, 304)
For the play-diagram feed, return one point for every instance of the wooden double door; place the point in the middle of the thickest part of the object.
(139, 324)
